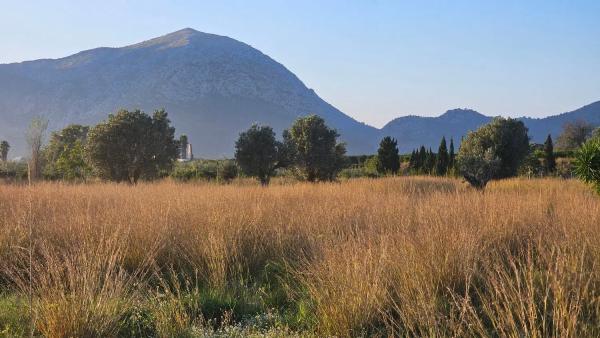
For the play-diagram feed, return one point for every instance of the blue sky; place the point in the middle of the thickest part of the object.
(375, 60)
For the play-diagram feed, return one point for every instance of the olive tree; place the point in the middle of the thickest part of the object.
(131, 145)
(505, 138)
(314, 150)
(495, 150)
(258, 153)
(478, 168)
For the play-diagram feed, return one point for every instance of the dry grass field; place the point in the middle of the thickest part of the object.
(387, 257)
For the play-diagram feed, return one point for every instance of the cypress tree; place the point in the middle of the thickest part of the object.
(550, 160)
(442, 158)
(452, 155)
(388, 160)
(422, 159)
(183, 142)
(411, 161)
(430, 161)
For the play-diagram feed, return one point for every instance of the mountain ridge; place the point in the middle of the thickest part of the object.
(213, 87)
(413, 131)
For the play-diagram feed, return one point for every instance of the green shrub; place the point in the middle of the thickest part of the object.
(228, 170)
(224, 170)
(13, 170)
(185, 171)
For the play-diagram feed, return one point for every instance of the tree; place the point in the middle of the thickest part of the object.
(316, 152)
(443, 158)
(71, 164)
(35, 137)
(531, 166)
(183, 143)
(131, 145)
(587, 163)
(4, 148)
(452, 155)
(422, 159)
(64, 154)
(507, 140)
(430, 160)
(574, 135)
(411, 160)
(388, 160)
(549, 159)
(258, 153)
(478, 167)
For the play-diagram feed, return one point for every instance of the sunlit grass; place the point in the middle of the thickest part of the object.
(394, 256)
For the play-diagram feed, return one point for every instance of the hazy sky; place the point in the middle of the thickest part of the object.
(374, 60)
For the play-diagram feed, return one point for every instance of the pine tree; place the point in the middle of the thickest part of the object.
(442, 158)
(550, 160)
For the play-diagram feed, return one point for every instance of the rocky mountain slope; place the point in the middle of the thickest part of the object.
(213, 87)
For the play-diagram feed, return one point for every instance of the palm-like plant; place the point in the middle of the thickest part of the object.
(587, 163)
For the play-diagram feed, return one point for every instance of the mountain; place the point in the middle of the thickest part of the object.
(540, 128)
(414, 131)
(212, 86)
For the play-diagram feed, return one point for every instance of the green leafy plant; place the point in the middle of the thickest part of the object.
(587, 163)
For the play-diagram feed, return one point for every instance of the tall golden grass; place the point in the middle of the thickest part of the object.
(386, 257)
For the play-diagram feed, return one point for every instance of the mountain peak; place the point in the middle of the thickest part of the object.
(176, 39)
(462, 113)
(213, 87)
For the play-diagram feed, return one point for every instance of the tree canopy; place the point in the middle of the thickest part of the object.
(451, 155)
(505, 138)
(64, 153)
(388, 160)
(258, 153)
(183, 144)
(131, 145)
(549, 158)
(574, 135)
(478, 167)
(442, 158)
(314, 148)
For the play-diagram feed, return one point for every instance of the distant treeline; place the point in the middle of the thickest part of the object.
(131, 145)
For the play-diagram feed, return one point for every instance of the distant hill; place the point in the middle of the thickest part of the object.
(213, 87)
(414, 131)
